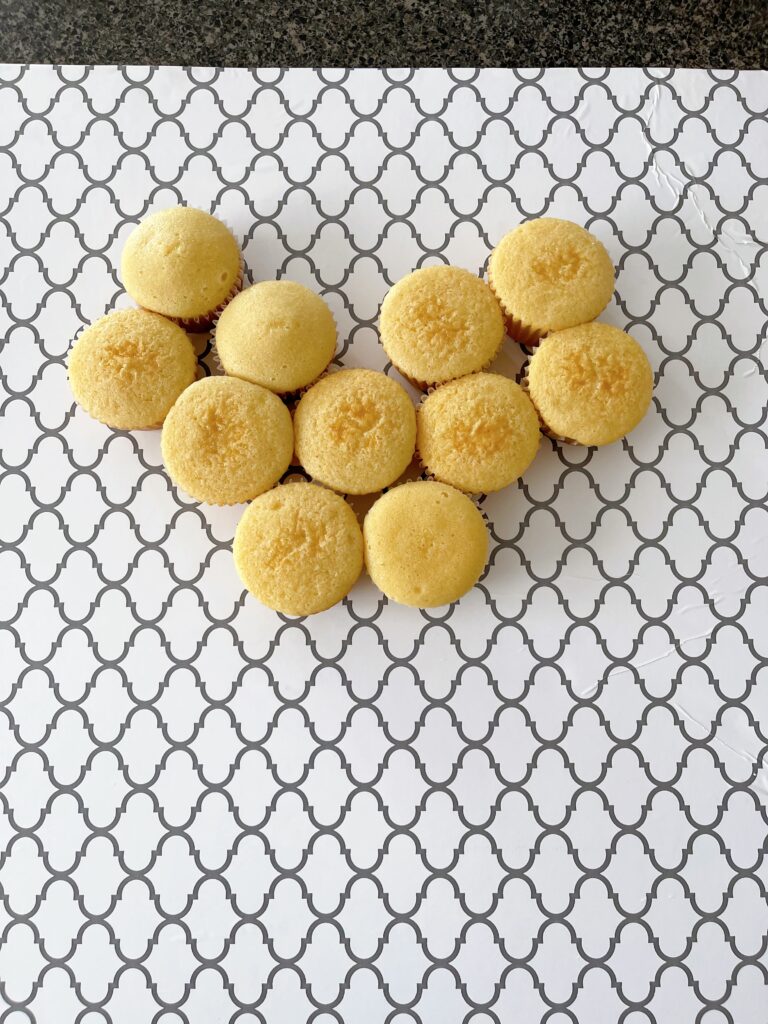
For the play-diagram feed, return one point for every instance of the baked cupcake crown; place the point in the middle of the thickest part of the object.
(129, 367)
(478, 433)
(278, 334)
(439, 323)
(355, 431)
(298, 548)
(426, 544)
(226, 441)
(549, 274)
(590, 384)
(183, 263)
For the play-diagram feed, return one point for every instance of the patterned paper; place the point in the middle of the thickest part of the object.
(545, 803)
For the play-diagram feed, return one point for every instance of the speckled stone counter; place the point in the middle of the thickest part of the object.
(691, 33)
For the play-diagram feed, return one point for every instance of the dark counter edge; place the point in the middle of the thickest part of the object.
(338, 33)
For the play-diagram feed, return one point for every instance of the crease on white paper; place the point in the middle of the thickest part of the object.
(744, 755)
(671, 649)
(733, 246)
(761, 775)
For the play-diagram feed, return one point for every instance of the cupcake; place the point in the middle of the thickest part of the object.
(225, 440)
(425, 544)
(278, 334)
(549, 274)
(298, 549)
(129, 367)
(355, 431)
(439, 323)
(477, 433)
(182, 263)
(590, 384)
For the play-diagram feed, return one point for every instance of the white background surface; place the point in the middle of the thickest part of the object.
(547, 802)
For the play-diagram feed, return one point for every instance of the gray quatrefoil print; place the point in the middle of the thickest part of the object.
(546, 803)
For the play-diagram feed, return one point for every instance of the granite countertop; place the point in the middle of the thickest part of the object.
(690, 33)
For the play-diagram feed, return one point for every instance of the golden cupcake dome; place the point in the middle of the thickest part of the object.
(439, 323)
(128, 368)
(226, 441)
(426, 544)
(355, 431)
(298, 548)
(183, 263)
(478, 433)
(590, 384)
(278, 334)
(549, 274)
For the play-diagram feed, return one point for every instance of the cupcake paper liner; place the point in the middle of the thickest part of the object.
(429, 475)
(420, 385)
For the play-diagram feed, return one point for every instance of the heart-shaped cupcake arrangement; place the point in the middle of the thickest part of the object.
(229, 439)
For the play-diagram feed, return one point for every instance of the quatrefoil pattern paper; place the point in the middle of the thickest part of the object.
(545, 803)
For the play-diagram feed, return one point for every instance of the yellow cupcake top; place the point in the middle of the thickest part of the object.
(181, 262)
(478, 433)
(550, 274)
(591, 384)
(129, 367)
(439, 323)
(425, 544)
(225, 440)
(278, 334)
(298, 548)
(355, 431)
